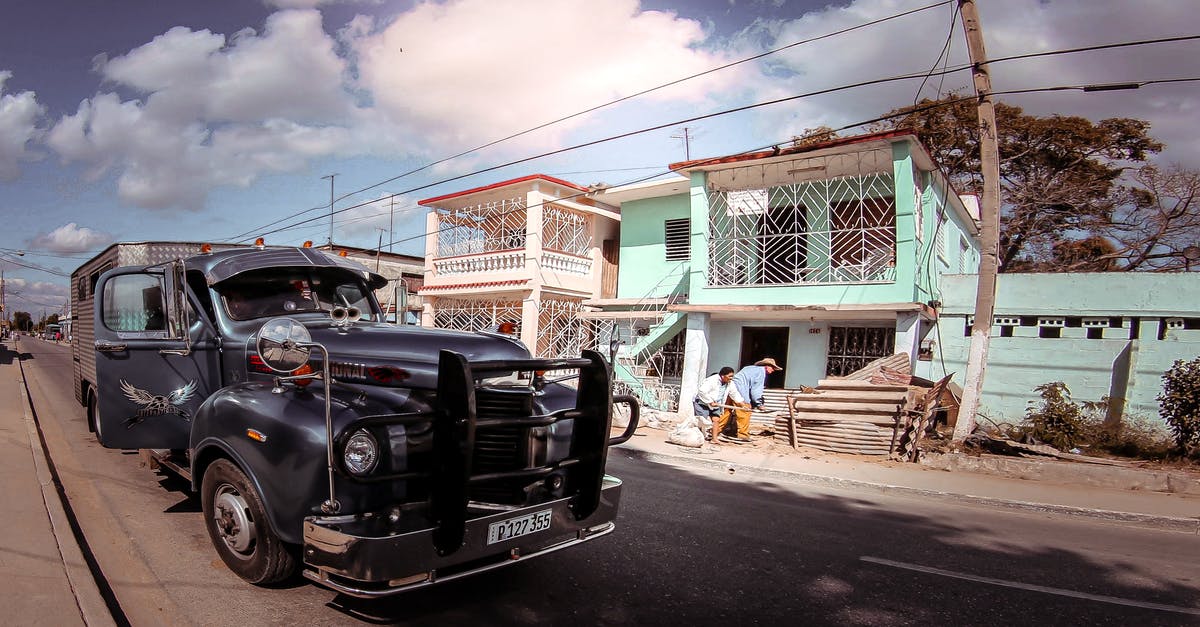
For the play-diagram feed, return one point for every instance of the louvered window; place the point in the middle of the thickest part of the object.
(679, 239)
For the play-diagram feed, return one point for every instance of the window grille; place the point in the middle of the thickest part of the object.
(851, 348)
(560, 331)
(475, 315)
(482, 228)
(834, 230)
(678, 238)
(565, 230)
(939, 239)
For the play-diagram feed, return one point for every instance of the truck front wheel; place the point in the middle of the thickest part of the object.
(238, 527)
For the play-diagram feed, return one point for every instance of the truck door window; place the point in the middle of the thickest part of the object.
(134, 302)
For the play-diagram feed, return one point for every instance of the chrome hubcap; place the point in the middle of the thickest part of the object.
(233, 522)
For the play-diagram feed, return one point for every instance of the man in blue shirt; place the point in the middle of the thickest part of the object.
(745, 394)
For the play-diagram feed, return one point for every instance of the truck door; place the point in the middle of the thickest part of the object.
(150, 375)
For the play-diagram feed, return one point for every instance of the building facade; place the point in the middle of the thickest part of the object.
(521, 254)
(824, 257)
(1104, 334)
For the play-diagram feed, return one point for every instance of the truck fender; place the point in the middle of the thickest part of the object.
(278, 440)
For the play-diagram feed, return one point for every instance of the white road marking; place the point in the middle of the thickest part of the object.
(1035, 588)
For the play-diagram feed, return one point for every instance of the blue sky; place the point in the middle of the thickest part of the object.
(209, 121)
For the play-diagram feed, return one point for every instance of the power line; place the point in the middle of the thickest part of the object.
(748, 107)
(631, 134)
(614, 102)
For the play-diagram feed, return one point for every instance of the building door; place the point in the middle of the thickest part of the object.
(759, 342)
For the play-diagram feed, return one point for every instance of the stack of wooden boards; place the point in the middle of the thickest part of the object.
(843, 416)
(860, 413)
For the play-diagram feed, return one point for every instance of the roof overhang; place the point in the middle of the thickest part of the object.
(882, 311)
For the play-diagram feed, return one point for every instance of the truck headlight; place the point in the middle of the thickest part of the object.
(361, 453)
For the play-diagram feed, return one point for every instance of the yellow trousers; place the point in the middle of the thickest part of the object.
(741, 415)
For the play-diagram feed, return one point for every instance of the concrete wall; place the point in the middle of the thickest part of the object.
(1149, 321)
(644, 271)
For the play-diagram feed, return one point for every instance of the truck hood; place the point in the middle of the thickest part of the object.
(413, 349)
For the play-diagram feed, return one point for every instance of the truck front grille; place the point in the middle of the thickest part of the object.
(500, 449)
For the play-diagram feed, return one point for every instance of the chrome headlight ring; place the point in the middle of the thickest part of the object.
(360, 455)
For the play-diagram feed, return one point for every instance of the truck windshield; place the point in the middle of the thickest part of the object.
(272, 292)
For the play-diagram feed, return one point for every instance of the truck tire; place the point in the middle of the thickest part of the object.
(238, 527)
(93, 415)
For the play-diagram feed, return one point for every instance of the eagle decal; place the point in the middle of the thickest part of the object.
(155, 405)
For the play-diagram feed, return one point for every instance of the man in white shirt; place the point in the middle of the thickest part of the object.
(711, 396)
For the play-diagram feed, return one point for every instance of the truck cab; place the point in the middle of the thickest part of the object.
(371, 457)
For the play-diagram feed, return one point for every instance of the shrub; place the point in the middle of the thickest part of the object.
(1179, 402)
(1058, 422)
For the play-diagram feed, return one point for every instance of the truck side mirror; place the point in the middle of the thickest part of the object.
(283, 344)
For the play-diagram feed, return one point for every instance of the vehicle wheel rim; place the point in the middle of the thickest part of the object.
(96, 418)
(233, 523)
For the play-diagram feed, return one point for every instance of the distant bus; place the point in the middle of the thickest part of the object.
(52, 332)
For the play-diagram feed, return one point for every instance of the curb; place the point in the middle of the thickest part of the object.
(1169, 523)
(93, 609)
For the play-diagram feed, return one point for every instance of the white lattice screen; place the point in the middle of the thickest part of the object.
(560, 331)
(475, 315)
(834, 230)
(565, 230)
(482, 228)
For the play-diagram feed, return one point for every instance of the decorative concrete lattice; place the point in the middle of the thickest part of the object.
(482, 228)
(656, 371)
(565, 230)
(475, 315)
(560, 331)
(835, 230)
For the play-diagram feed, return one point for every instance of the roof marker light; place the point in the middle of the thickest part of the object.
(308, 243)
(260, 242)
(205, 248)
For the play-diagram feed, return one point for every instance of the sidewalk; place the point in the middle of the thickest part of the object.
(47, 581)
(1106, 493)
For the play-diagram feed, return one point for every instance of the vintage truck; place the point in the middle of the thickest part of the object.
(372, 457)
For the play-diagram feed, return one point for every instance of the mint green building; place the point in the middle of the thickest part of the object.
(1105, 334)
(824, 257)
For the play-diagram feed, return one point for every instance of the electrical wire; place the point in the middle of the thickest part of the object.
(941, 55)
(605, 105)
(631, 134)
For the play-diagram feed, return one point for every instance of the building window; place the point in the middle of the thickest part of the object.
(678, 238)
(851, 348)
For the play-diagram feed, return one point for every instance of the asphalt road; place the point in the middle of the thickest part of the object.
(691, 548)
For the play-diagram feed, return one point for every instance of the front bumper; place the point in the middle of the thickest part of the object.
(371, 557)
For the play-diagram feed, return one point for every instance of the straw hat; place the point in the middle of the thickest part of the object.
(767, 361)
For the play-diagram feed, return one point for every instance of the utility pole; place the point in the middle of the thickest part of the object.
(330, 177)
(378, 251)
(989, 227)
(687, 143)
(391, 222)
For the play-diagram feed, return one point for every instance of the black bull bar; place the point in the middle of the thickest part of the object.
(456, 423)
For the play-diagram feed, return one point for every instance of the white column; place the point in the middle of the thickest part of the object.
(908, 335)
(695, 359)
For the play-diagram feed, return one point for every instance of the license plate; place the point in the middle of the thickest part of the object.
(520, 526)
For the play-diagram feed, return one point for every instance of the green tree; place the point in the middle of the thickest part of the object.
(1059, 174)
(22, 321)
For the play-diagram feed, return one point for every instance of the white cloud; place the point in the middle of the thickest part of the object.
(19, 115)
(71, 238)
(215, 112)
(468, 71)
